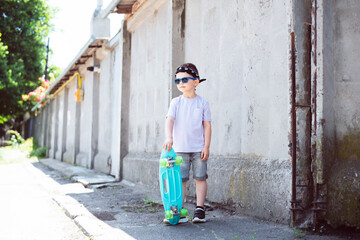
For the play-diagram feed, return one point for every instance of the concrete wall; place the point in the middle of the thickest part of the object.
(82, 132)
(102, 161)
(344, 174)
(37, 127)
(149, 92)
(149, 82)
(116, 69)
(241, 48)
(247, 44)
(71, 123)
(62, 120)
(148, 98)
(83, 157)
(53, 129)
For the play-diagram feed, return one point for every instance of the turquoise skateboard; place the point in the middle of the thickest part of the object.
(171, 186)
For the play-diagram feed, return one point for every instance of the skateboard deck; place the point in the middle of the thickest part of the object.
(171, 185)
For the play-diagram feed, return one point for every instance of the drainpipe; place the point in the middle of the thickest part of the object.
(319, 204)
(294, 203)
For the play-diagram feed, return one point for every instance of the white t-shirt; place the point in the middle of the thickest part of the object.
(188, 130)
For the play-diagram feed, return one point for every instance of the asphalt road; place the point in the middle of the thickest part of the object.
(27, 210)
(37, 202)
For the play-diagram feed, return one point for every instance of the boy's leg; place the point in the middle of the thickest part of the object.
(184, 192)
(200, 176)
(184, 168)
(201, 189)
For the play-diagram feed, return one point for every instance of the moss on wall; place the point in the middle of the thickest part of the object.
(344, 182)
(349, 146)
(343, 177)
(254, 187)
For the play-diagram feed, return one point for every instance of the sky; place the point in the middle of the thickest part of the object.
(72, 28)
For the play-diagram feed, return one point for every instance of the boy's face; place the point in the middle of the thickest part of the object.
(189, 86)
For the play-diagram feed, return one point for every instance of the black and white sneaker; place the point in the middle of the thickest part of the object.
(199, 215)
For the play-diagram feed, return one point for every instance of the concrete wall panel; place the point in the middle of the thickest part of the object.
(60, 114)
(116, 69)
(241, 49)
(53, 129)
(82, 157)
(71, 123)
(149, 83)
(105, 97)
(344, 180)
(102, 160)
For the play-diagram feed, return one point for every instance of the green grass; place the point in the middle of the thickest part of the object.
(297, 232)
(145, 206)
(152, 206)
(9, 155)
(27, 150)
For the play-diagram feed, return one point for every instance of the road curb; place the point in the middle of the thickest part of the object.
(91, 226)
(79, 174)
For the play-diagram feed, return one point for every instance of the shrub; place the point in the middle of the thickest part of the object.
(15, 139)
(38, 152)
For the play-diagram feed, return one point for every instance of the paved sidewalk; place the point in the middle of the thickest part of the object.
(106, 209)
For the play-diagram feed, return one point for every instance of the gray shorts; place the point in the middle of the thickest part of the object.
(199, 167)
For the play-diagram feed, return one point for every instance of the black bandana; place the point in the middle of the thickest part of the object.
(189, 71)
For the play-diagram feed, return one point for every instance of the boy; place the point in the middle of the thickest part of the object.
(188, 131)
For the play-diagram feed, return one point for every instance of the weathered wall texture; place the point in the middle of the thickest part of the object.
(83, 157)
(344, 175)
(116, 69)
(53, 130)
(148, 98)
(241, 48)
(102, 160)
(61, 115)
(149, 83)
(242, 51)
(71, 121)
(245, 44)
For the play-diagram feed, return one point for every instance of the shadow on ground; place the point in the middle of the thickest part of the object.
(138, 211)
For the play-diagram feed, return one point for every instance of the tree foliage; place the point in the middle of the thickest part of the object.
(24, 26)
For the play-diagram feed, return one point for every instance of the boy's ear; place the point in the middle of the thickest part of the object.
(197, 81)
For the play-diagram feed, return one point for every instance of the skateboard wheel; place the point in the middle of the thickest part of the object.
(168, 214)
(179, 160)
(184, 212)
(163, 162)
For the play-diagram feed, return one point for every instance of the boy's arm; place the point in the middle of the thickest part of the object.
(169, 123)
(207, 137)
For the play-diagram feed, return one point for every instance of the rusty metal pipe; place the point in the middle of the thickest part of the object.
(293, 129)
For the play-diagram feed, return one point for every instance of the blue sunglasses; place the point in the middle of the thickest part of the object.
(184, 80)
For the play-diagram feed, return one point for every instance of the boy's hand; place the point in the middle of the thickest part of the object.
(205, 154)
(168, 144)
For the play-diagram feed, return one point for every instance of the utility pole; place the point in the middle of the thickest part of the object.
(47, 58)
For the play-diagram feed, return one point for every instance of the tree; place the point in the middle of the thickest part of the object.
(24, 26)
(4, 74)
